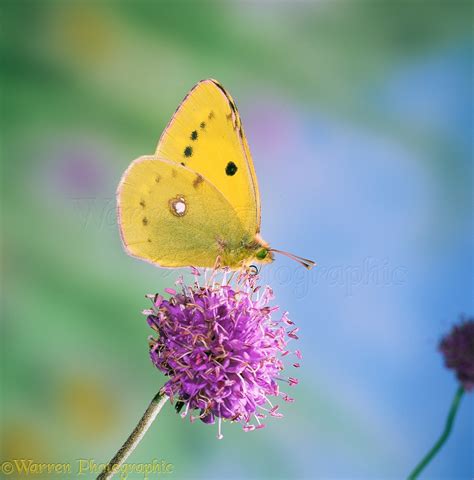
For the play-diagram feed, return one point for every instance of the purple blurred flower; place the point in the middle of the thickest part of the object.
(77, 168)
(458, 350)
(221, 349)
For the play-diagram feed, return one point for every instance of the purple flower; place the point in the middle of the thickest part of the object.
(458, 350)
(221, 349)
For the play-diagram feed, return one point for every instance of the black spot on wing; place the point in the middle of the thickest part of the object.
(203, 125)
(145, 221)
(188, 151)
(194, 135)
(231, 169)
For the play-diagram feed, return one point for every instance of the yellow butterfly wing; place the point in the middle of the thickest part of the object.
(172, 216)
(206, 135)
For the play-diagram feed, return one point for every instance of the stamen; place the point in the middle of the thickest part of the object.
(260, 424)
(195, 272)
(274, 413)
(186, 410)
(292, 381)
(287, 398)
(292, 333)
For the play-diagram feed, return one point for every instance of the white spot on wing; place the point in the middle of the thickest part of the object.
(178, 206)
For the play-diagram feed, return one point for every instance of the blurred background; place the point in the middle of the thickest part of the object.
(359, 118)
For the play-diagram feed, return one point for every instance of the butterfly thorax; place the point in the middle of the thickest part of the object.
(249, 251)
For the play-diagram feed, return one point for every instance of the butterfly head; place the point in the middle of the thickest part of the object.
(260, 251)
(264, 255)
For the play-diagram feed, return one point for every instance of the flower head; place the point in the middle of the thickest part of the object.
(458, 350)
(221, 349)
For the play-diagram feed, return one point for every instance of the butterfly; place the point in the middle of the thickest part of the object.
(196, 201)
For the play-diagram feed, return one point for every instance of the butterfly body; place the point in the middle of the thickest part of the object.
(195, 202)
(249, 251)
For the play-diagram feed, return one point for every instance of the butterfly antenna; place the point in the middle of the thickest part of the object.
(308, 264)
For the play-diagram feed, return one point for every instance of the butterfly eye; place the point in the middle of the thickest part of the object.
(262, 253)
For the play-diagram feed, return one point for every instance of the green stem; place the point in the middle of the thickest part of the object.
(134, 439)
(444, 436)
